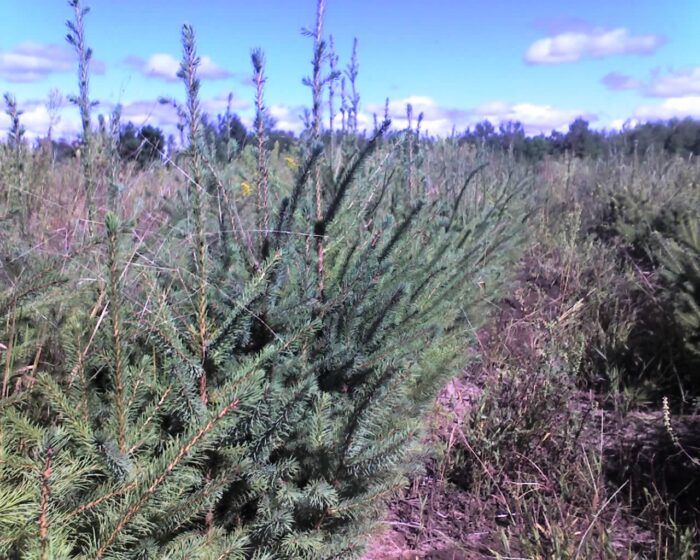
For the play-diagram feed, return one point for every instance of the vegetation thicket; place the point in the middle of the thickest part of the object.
(229, 345)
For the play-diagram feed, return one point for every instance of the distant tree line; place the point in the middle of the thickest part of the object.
(224, 136)
(227, 135)
(675, 136)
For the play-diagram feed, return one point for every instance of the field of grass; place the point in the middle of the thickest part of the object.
(359, 344)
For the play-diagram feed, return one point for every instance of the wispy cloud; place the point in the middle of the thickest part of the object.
(286, 118)
(150, 112)
(572, 46)
(535, 118)
(165, 67)
(618, 81)
(154, 113)
(680, 83)
(674, 84)
(674, 107)
(437, 119)
(218, 105)
(32, 62)
(36, 120)
(440, 120)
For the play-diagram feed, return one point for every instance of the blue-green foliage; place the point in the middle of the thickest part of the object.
(243, 402)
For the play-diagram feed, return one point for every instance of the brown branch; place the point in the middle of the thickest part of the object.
(8, 356)
(44, 504)
(98, 501)
(317, 92)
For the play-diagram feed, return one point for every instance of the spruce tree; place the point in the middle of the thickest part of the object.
(234, 399)
(680, 260)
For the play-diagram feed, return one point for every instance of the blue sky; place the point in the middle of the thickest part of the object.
(543, 62)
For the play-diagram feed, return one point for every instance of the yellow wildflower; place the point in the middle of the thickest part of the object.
(291, 163)
(246, 188)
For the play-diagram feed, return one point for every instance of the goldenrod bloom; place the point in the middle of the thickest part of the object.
(291, 163)
(246, 188)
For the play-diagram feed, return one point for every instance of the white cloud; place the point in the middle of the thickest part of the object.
(572, 46)
(441, 121)
(35, 117)
(161, 66)
(437, 120)
(534, 118)
(287, 118)
(210, 71)
(165, 67)
(680, 83)
(31, 62)
(620, 124)
(36, 120)
(676, 83)
(674, 107)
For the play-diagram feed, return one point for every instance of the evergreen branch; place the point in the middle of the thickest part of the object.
(371, 210)
(280, 427)
(82, 354)
(381, 316)
(76, 38)
(17, 505)
(149, 419)
(44, 504)
(168, 337)
(112, 226)
(171, 466)
(299, 184)
(317, 97)
(188, 72)
(355, 416)
(9, 353)
(183, 511)
(104, 498)
(347, 176)
(458, 199)
(34, 287)
(251, 292)
(258, 60)
(79, 429)
(352, 72)
(346, 264)
(400, 231)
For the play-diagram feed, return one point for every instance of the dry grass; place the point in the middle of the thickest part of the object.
(530, 462)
